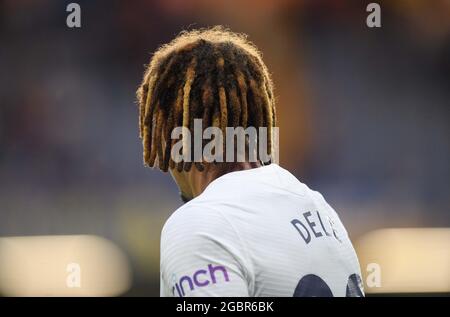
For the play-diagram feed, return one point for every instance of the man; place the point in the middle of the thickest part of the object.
(249, 227)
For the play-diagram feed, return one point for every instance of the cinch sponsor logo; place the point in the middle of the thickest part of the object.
(201, 278)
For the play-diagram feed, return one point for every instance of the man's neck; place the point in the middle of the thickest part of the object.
(200, 180)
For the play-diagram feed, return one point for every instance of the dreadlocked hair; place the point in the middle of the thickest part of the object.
(210, 74)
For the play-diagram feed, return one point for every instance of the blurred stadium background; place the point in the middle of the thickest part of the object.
(364, 118)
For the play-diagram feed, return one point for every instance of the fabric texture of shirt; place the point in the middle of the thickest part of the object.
(258, 232)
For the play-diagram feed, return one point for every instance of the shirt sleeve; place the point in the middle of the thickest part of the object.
(201, 255)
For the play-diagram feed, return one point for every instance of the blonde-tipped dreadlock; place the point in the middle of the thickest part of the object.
(210, 74)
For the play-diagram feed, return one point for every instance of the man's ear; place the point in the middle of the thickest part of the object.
(183, 183)
(185, 198)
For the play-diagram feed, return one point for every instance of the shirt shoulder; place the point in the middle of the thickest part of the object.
(196, 239)
(193, 218)
(196, 225)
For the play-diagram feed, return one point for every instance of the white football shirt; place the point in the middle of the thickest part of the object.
(258, 232)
